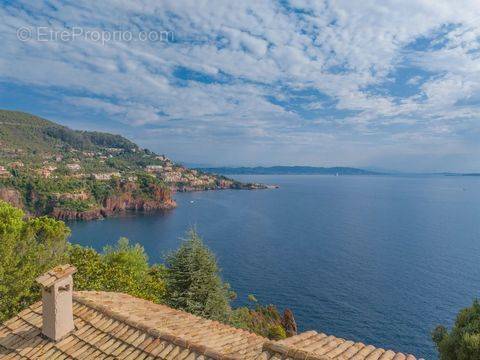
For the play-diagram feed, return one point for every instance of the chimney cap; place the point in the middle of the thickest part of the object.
(57, 273)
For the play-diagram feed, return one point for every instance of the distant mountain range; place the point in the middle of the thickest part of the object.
(314, 170)
(288, 170)
(460, 174)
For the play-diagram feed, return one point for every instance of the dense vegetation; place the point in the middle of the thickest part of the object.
(463, 341)
(37, 142)
(41, 195)
(37, 135)
(189, 279)
(27, 249)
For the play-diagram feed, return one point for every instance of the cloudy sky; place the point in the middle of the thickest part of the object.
(385, 84)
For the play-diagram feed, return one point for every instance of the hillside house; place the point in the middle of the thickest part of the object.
(74, 167)
(172, 177)
(72, 196)
(16, 165)
(46, 171)
(69, 324)
(154, 168)
(106, 176)
(4, 173)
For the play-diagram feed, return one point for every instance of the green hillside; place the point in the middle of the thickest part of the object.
(47, 168)
(31, 133)
(37, 143)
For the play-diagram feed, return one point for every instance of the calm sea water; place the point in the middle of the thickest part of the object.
(369, 258)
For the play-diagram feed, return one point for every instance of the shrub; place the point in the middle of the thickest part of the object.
(276, 332)
(121, 268)
(463, 341)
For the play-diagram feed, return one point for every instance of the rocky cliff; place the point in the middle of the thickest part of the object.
(128, 198)
(12, 196)
(65, 214)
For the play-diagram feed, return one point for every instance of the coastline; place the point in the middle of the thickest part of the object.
(124, 202)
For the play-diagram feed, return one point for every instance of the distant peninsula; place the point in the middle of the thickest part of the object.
(288, 170)
(50, 169)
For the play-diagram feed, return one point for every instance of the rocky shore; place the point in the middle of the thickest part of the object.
(100, 213)
(126, 200)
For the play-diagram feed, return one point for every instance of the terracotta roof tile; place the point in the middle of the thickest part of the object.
(50, 277)
(119, 326)
(314, 346)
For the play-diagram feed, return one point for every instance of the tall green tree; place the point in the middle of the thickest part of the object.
(463, 341)
(194, 283)
(90, 268)
(125, 266)
(121, 268)
(28, 247)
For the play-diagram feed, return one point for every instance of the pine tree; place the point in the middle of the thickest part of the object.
(194, 283)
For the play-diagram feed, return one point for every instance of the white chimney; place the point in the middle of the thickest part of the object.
(57, 288)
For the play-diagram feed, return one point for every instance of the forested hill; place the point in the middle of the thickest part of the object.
(50, 169)
(31, 133)
(288, 170)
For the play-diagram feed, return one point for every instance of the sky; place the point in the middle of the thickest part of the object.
(374, 84)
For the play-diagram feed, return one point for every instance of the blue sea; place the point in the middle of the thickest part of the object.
(377, 259)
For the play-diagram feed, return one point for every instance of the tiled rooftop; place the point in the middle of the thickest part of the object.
(119, 326)
(314, 346)
(50, 277)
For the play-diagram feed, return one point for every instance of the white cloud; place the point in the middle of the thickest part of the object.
(256, 49)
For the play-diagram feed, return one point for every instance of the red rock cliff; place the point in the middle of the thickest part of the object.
(128, 198)
(11, 196)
